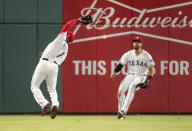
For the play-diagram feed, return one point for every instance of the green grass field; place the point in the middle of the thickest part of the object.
(96, 123)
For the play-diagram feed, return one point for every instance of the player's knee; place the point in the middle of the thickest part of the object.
(33, 88)
(51, 89)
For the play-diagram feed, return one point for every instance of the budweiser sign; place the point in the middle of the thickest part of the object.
(165, 26)
(106, 17)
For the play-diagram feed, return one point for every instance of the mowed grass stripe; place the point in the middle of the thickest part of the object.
(96, 123)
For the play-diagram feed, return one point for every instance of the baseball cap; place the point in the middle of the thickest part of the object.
(138, 38)
(70, 36)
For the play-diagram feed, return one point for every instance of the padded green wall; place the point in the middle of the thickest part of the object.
(1, 10)
(19, 60)
(21, 11)
(1, 69)
(51, 13)
(26, 27)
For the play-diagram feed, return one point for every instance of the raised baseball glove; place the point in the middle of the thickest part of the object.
(87, 19)
(143, 85)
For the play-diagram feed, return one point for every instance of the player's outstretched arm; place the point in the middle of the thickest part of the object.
(83, 20)
(69, 24)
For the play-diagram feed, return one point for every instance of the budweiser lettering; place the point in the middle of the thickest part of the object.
(102, 18)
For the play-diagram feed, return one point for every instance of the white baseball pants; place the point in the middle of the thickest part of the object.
(48, 71)
(128, 84)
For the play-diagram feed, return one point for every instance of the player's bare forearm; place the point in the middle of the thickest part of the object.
(113, 74)
(151, 71)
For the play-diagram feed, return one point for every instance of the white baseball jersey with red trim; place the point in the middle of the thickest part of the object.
(137, 70)
(137, 64)
(57, 49)
(47, 68)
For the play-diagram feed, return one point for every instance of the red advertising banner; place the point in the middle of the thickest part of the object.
(166, 29)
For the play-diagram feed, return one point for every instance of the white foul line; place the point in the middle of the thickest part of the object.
(133, 32)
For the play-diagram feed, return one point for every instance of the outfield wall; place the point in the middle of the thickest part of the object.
(166, 28)
(27, 26)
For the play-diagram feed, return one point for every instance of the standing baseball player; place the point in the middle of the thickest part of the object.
(140, 70)
(47, 68)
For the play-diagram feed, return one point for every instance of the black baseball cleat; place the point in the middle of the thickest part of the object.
(44, 110)
(54, 112)
(121, 114)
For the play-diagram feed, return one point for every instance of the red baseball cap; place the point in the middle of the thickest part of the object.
(138, 38)
(70, 36)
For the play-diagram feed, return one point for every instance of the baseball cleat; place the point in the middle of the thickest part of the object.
(44, 110)
(54, 112)
(121, 114)
(118, 116)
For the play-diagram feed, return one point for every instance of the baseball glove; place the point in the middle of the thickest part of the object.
(143, 85)
(87, 19)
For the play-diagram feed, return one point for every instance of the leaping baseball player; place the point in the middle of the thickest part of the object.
(140, 70)
(47, 68)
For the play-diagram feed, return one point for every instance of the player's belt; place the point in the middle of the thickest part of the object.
(131, 74)
(137, 74)
(48, 60)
